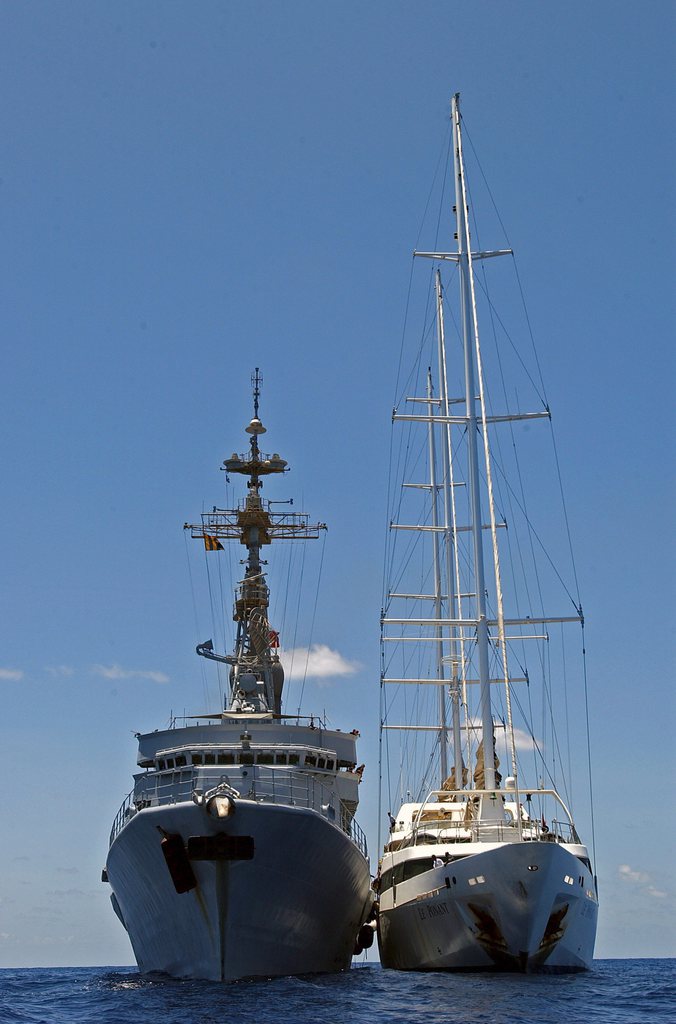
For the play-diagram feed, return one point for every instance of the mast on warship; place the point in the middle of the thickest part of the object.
(256, 673)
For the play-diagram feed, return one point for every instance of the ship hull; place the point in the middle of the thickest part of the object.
(525, 907)
(293, 906)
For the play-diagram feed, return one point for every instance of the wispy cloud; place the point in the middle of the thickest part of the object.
(523, 740)
(117, 672)
(62, 893)
(317, 662)
(12, 675)
(629, 874)
(642, 881)
(61, 670)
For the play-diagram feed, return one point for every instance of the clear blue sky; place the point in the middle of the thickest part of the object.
(190, 190)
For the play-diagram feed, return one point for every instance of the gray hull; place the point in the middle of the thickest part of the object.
(294, 908)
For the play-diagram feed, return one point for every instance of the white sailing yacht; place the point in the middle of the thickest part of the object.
(475, 874)
(237, 854)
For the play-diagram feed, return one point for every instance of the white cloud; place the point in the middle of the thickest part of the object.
(523, 740)
(628, 874)
(60, 670)
(642, 882)
(116, 672)
(11, 674)
(318, 662)
(62, 893)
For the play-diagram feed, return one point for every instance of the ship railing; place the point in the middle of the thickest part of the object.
(439, 830)
(272, 785)
(126, 811)
(352, 828)
(432, 822)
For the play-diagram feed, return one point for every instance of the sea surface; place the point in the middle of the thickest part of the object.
(614, 992)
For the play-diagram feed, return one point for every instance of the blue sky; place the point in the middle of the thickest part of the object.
(189, 191)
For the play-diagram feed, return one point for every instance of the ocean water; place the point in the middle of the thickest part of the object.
(614, 992)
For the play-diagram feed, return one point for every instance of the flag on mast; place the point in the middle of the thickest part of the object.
(211, 543)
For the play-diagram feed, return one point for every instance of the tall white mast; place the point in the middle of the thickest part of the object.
(434, 489)
(468, 340)
(452, 569)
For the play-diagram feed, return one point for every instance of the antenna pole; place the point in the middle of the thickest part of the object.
(256, 381)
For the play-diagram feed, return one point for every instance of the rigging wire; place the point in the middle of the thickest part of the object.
(537, 363)
(518, 279)
(564, 672)
(213, 615)
(312, 620)
(589, 758)
(205, 687)
(295, 628)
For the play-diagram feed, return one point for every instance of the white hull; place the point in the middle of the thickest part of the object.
(294, 908)
(535, 909)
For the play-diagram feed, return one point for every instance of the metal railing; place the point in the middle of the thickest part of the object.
(451, 816)
(439, 830)
(126, 811)
(265, 785)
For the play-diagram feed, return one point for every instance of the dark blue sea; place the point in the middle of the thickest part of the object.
(614, 992)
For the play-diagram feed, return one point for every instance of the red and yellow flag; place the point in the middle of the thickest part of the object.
(211, 543)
